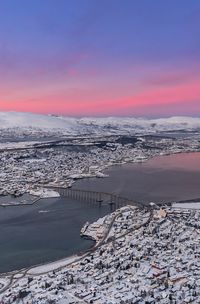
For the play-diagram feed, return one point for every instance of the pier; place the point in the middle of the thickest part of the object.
(95, 197)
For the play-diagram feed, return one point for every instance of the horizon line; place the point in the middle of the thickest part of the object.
(99, 116)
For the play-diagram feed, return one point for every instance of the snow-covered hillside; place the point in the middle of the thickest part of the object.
(29, 120)
(88, 125)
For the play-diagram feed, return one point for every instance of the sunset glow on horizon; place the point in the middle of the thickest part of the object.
(100, 58)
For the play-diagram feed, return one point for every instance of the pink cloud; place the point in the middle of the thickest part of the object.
(157, 95)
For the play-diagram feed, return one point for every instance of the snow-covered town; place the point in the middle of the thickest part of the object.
(99, 152)
(141, 256)
(142, 253)
(40, 150)
(28, 168)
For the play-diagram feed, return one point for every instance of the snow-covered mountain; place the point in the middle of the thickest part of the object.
(88, 125)
(29, 120)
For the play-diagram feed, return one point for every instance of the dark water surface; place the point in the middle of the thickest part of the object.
(46, 231)
(29, 236)
(164, 178)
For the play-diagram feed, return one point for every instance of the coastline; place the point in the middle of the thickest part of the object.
(4, 205)
(49, 266)
(61, 262)
(43, 268)
(67, 260)
(104, 175)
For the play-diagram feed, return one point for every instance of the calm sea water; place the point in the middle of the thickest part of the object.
(50, 229)
(161, 179)
(46, 231)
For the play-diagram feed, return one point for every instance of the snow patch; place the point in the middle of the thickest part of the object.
(44, 193)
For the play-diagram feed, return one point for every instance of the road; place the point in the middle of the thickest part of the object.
(16, 276)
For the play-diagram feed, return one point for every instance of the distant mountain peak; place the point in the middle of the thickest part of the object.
(89, 125)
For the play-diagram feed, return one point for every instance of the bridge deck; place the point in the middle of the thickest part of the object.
(97, 197)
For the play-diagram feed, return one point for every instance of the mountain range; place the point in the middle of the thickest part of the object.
(91, 125)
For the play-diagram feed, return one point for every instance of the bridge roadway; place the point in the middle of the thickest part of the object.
(96, 197)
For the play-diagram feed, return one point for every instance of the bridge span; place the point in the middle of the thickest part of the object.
(96, 197)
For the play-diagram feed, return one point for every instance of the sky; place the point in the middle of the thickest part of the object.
(79, 58)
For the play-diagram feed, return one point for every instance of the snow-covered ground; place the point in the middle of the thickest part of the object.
(189, 205)
(150, 256)
(57, 161)
(29, 120)
(44, 193)
(157, 261)
(89, 125)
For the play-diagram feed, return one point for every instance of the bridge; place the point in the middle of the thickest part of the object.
(95, 197)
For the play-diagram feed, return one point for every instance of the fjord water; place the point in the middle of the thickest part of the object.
(46, 231)
(161, 179)
(50, 229)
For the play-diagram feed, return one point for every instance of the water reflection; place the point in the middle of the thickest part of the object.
(164, 178)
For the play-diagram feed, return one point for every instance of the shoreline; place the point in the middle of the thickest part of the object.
(5, 205)
(128, 231)
(106, 167)
(66, 260)
(61, 263)
(38, 269)
(77, 256)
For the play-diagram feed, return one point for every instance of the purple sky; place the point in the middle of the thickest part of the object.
(100, 57)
